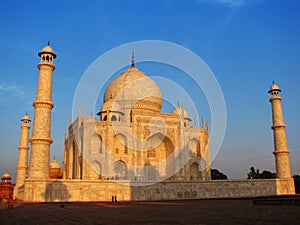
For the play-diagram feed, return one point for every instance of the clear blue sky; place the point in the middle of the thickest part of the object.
(247, 44)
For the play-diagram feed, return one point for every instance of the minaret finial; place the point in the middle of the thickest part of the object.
(132, 60)
(48, 43)
(273, 82)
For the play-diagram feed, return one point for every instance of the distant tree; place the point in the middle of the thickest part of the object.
(217, 175)
(255, 174)
(297, 183)
(267, 175)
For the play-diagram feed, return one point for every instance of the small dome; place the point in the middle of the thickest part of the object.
(274, 87)
(25, 118)
(181, 112)
(6, 176)
(110, 105)
(47, 49)
(54, 164)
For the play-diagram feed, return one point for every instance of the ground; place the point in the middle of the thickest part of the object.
(241, 211)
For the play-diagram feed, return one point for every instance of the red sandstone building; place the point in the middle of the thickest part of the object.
(55, 171)
(6, 187)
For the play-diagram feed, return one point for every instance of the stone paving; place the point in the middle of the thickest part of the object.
(169, 212)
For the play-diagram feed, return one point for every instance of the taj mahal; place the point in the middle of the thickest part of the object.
(132, 149)
(133, 139)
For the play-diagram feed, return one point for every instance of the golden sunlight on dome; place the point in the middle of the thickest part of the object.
(54, 164)
(47, 50)
(274, 87)
(181, 112)
(6, 176)
(134, 88)
(110, 105)
(26, 118)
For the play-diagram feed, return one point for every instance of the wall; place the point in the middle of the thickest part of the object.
(95, 190)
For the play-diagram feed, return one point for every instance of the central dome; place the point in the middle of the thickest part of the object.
(134, 89)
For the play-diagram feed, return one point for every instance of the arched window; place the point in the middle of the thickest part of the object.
(120, 143)
(187, 194)
(194, 147)
(149, 172)
(113, 118)
(120, 170)
(179, 194)
(194, 171)
(194, 194)
(95, 144)
(130, 116)
(73, 160)
(105, 118)
(160, 144)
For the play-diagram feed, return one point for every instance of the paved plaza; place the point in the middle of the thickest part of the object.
(169, 212)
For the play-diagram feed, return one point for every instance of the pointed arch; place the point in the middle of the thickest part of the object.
(179, 194)
(149, 172)
(120, 144)
(97, 169)
(120, 170)
(194, 147)
(74, 159)
(160, 144)
(194, 171)
(187, 194)
(95, 144)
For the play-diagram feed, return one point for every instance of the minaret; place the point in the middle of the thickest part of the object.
(41, 140)
(281, 151)
(23, 152)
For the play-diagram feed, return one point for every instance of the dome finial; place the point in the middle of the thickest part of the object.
(273, 82)
(132, 60)
(48, 43)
